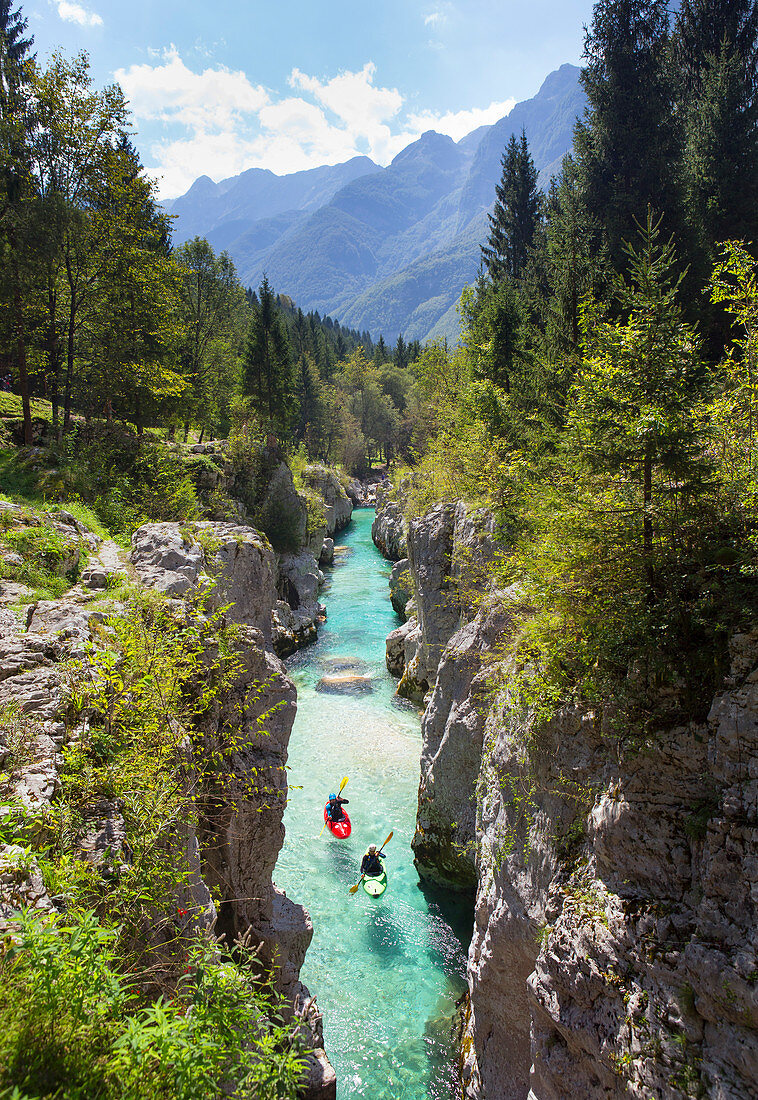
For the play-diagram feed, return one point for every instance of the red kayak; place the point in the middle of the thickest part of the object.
(341, 828)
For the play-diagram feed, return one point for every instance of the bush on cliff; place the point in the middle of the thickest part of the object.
(75, 1025)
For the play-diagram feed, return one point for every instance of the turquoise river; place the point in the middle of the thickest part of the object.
(387, 971)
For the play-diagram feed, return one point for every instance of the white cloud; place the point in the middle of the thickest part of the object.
(434, 18)
(171, 92)
(353, 97)
(459, 123)
(75, 13)
(217, 123)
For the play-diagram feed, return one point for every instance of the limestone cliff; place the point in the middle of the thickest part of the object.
(449, 552)
(389, 528)
(616, 882)
(232, 847)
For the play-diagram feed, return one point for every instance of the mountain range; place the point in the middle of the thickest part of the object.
(387, 250)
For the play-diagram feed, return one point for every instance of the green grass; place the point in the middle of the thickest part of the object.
(10, 405)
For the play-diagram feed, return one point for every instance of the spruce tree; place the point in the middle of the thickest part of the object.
(268, 368)
(14, 162)
(516, 213)
(628, 146)
(717, 48)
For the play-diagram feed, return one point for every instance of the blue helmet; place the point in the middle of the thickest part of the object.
(332, 796)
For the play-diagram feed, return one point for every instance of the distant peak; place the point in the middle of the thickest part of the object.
(559, 80)
(430, 140)
(202, 183)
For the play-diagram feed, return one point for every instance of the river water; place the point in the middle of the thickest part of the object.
(387, 971)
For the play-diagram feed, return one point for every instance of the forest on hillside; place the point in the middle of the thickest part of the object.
(104, 320)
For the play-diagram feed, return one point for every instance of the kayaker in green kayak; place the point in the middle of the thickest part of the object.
(370, 864)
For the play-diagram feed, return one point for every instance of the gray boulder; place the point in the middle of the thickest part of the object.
(338, 507)
(389, 530)
(401, 586)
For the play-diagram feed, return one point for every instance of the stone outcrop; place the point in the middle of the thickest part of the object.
(239, 832)
(389, 528)
(621, 886)
(615, 940)
(235, 565)
(401, 587)
(298, 610)
(444, 844)
(450, 551)
(338, 506)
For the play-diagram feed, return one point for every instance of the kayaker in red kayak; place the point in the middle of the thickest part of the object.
(334, 807)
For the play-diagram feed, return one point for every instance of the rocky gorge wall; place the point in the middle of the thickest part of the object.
(233, 850)
(614, 887)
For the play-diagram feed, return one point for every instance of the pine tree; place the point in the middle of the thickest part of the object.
(634, 414)
(573, 257)
(516, 213)
(628, 147)
(268, 368)
(309, 393)
(400, 356)
(717, 47)
(14, 160)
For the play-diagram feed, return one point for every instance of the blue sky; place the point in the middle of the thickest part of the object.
(217, 87)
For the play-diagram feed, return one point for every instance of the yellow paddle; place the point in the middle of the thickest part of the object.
(339, 792)
(381, 846)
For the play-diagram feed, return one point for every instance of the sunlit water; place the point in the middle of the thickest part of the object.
(387, 971)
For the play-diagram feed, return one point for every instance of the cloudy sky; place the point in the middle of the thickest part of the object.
(222, 85)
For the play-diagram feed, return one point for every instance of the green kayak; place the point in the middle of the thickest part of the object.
(375, 885)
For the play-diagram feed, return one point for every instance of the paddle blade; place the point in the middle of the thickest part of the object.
(342, 785)
(354, 888)
(322, 829)
(389, 838)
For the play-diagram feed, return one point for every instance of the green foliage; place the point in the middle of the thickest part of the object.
(269, 378)
(51, 560)
(74, 1025)
(315, 511)
(126, 482)
(516, 214)
(629, 140)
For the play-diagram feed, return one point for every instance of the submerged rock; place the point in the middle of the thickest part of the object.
(344, 664)
(345, 684)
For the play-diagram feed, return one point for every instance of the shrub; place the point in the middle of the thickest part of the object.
(75, 1026)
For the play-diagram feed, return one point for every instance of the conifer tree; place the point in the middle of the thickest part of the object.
(628, 146)
(717, 50)
(573, 257)
(516, 214)
(268, 368)
(14, 163)
(400, 356)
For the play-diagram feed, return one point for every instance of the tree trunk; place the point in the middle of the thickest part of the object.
(68, 385)
(647, 522)
(20, 333)
(53, 354)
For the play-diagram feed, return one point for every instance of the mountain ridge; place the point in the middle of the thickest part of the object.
(383, 249)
